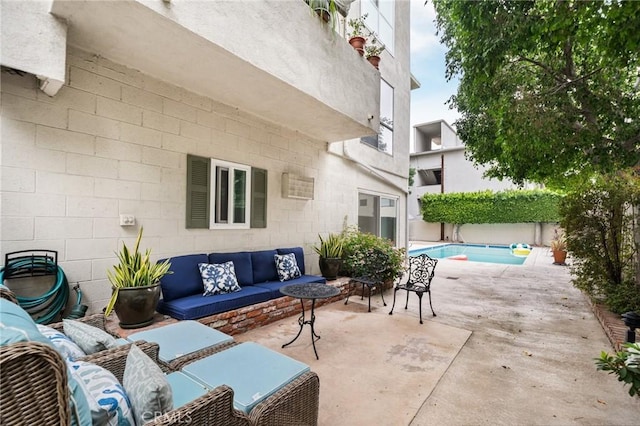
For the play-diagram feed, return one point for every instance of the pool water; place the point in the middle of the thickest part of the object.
(473, 252)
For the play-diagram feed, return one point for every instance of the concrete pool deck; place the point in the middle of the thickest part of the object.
(528, 359)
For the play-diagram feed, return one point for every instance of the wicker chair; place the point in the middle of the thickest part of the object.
(33, 379)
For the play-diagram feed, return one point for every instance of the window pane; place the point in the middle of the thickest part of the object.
(370, 140)
(386, 8)
(222, 195)
(385, 140)
(370, 9)
(388, 213)
(368, 213)
(386, 104)
(239, 196)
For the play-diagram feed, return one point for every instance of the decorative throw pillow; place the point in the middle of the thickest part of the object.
(67, 348)
(287, 266)
(219, 278)
(90, 339)
(107, 399)
(147, 387)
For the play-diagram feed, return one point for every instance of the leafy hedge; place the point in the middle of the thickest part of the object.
(511, 206)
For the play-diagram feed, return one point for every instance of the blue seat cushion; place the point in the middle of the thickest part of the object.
(181, 338)
(241, 263)
(185, 279)
(264, 266)
(254, 372)
(199, 306)
(184, 388)
(274, 286)
(299, 253)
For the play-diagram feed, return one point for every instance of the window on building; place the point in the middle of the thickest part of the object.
(380, 18)
(430, 177)
(378, 215)
(221, 194)
(383, 141)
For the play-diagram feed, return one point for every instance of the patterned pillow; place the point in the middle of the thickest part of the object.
(107, 399)
(219, 278)
(147, 387)
(63, 344)
(90, 339)
(287, 266)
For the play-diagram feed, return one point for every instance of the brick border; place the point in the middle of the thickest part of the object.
(612, 324)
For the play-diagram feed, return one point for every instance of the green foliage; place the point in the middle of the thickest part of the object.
(548, 90)
(134, 270)
(513, 206)
(331, 247)
(598, 221)
(358, 27)
(412, 175)
(625, 364)
(366, 255)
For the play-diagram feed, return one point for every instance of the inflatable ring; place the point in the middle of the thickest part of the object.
(520, 246)
(521, 252)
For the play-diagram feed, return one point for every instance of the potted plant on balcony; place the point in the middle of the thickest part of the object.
(330, 252)
(559, 248)
(373, 51)
(357, 34)
(326, 9)
(135, 282)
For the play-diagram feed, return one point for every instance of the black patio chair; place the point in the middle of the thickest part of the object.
(421, 271)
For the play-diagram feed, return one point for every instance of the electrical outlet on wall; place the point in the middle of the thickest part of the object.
(127, 220)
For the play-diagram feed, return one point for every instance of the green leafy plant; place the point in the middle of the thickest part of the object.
(373, 48)
(599, 228)
(331, 247)
(625, 364)
(358, 26)
(371, 256)
(134, 270)
(511, 206)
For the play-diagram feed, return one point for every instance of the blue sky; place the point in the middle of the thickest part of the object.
(428, 66)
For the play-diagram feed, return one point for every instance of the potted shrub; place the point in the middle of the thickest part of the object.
(365, 255)
(373, 51)
(326, 9)
(135, 282)
(330, 252)
(357, 34)
(559, 248)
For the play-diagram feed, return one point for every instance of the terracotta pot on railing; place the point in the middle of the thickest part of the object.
(358, 44)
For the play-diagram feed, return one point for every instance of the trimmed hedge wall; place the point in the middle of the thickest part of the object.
(511, 206)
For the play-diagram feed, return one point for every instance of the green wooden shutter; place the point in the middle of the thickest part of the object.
(198, 182)
(258, 198)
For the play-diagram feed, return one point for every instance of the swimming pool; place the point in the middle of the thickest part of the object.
(473, 253)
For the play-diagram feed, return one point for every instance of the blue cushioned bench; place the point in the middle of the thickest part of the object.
(182, 291)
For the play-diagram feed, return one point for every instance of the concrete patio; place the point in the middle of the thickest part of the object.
(526, 357)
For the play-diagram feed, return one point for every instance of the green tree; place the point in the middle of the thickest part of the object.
(549, 90)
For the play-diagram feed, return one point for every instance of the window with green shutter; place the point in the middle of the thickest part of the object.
(235, 193)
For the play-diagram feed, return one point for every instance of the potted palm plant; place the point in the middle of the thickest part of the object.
(330, 252)
(135, 282)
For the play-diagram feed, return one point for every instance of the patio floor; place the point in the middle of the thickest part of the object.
(511, 345)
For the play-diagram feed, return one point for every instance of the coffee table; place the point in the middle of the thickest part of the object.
(312, 291)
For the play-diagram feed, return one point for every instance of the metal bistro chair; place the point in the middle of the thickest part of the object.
(421, 271)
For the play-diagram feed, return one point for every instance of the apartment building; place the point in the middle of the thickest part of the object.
(110, 108)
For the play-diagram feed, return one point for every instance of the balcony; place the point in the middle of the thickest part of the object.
(274, 59)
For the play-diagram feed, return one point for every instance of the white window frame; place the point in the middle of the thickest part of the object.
(375, 15)
(230, 224)
(378, 213)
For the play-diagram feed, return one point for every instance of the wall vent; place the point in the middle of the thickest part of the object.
(299, 187)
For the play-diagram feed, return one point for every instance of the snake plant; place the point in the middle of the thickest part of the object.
(134, 270)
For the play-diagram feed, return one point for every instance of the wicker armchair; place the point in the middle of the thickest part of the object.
(33, 379)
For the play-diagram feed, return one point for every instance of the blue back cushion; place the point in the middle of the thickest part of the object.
(264, 266)
(241, 263)
(298, 252)
(185, 279)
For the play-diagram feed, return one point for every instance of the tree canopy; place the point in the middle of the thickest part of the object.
(549, 90)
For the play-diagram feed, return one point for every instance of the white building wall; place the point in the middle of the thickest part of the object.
(114, 141)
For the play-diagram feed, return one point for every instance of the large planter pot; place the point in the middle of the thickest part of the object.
(136, 306)
(329, 267)
(559, 256)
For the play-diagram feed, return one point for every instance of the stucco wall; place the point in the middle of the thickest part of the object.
(114, 141)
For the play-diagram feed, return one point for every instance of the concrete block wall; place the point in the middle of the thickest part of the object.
(114, 141)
